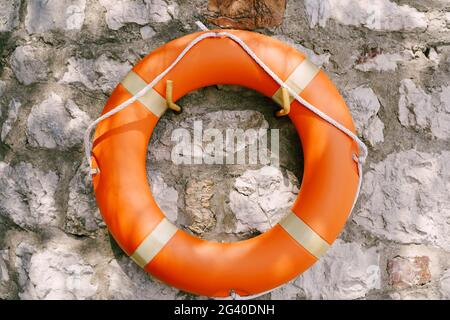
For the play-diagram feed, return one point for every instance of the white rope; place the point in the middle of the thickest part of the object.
(123, 105)
(249, 51)
(359, 160)
(201, 26)
(297, 97)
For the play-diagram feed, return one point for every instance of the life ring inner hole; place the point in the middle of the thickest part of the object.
(227, 200)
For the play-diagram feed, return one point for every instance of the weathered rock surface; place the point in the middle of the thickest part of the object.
(13, 112)
(372, 14)
(147, 32)
(47, 15)
(406, 272)
(382, 62)
(30, 64)
(56, 123)
(118, 13)
(102, 73)
(27, 195)
(21, 260)
(289, 291)
(126, 281)
(82, 216)
(320, 60)
(165, 196)
(2, 90)
(347, 271)
(421, 110)
(4, 274)
(241, 14)
(56, 271)
(9, 15)
(162, 147)
(364, 106)
(262, 198)
(198, 205)
(416, 294)
(445, 285)
(405, 198)
(7, 285)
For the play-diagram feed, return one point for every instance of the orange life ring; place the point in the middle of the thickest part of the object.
(328, 190)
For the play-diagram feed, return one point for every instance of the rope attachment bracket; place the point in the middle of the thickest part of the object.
(169, 97)
(286, 103)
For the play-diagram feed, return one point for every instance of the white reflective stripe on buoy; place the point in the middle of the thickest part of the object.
(154, 242)
(299, 79)
(304, 235)
(152, 100)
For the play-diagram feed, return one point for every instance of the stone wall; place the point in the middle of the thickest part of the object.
(59, 61)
